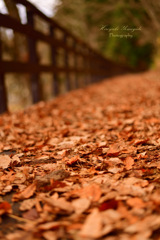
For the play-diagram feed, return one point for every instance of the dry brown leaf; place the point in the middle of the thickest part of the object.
(92, 192)
(50, 235)
(26, 193)
(16, 158)
(5, 207)
(52, 225)
(73, 160)
(60, 203)
(57, 175)
(114, 150)
(129, 162)
(151, 222)
(92, 227)
(19, 235)
(20, 178)
(5, 161)
(27, 204)
(136, 202)
(80, 205)
(31, 214)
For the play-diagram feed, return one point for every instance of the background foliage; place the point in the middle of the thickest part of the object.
(85, 18)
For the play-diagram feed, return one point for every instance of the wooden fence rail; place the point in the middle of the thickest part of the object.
(94, 67)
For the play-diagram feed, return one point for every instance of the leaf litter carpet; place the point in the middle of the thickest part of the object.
(85, 165)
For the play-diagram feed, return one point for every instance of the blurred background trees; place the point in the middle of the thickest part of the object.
(86, 17)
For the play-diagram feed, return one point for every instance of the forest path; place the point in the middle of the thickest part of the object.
(85, 165)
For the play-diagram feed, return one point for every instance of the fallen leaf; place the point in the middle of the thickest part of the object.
(15, 158)
(129, 162)
(140, 141)
(26, 193)
(92, 192)
(72, 160)
(52, 225)
(114, 150)
(60, 203)
(57, 175)
(31, 214)
(5, 207)
(115, 161)
(92, 227)
(27, 204)
(136, 202)
(50, 235)
(110, 204)
(5, 161)
(19, 178)
(80, 205)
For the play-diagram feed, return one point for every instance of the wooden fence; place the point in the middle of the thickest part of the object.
(94, 67)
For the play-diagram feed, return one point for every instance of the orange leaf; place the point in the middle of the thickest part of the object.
(5, 207)
(114, 150)
(92, 227)
(140, 141)
(5, 161)
(110, 204)
(92, 192)
(129, 162)
(26, 193)
(72, 160)
(136, 202)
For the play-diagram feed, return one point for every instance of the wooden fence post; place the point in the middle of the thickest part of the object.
(91, 65)
(75, 64)
(54, 62)
(85, 65)
(3, 95)
(33, 59)
(66, 63)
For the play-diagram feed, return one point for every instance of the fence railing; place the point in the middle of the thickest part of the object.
(93, 68)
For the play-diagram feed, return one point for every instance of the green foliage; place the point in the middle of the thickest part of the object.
(129, 51)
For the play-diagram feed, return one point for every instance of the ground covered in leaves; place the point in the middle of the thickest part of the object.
(85, 165)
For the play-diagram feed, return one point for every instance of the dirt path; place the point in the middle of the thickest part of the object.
(84, 166)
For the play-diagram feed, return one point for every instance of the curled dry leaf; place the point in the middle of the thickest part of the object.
(129, 162)
(140, 141)
(5, 161)
(114, 150)
(50, 235)
(95, 226)
(19, 178)
(57, 175)
(19, 235)
(92, 192)
(26, 193)
(51, 225)
(16, 158)
(136, 202)
(60, 203)
(27, 204)
(31, 214)
(73, 160)
(80, 205)
(92, 227)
